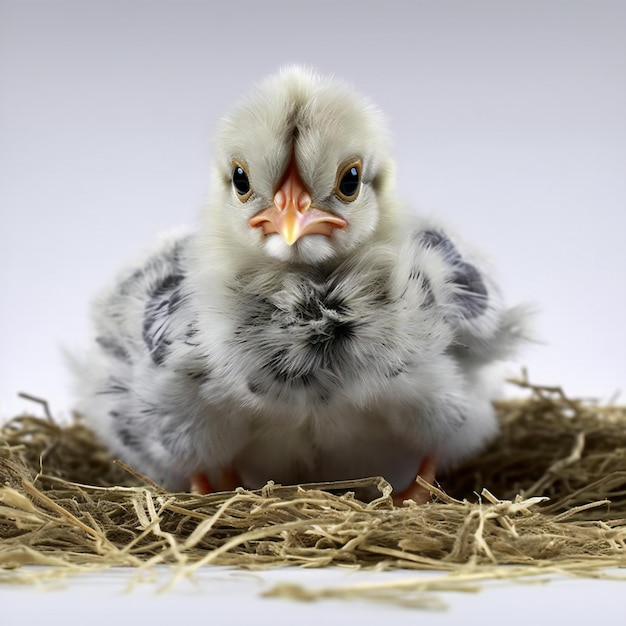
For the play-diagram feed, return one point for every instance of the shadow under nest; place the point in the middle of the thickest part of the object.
(549, 494)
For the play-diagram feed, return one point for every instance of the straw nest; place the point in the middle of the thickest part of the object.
(549, 495)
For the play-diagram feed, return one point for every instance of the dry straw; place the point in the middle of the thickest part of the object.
(549, 495)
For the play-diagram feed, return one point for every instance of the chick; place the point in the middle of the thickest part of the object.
(310, 328)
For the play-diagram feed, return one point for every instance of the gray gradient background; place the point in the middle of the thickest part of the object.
(508, 122)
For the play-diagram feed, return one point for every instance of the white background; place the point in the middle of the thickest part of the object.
(508, 122)
(217, 596)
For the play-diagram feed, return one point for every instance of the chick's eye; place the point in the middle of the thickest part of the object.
(241, 183)
(349, 181)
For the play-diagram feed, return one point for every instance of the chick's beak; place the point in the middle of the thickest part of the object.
(292, 215)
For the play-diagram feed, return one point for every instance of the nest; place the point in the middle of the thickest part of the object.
(548, 495)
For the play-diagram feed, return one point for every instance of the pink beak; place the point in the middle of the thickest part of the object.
(292, 215)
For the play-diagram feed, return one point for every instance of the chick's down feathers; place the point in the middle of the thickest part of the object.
(310, 328)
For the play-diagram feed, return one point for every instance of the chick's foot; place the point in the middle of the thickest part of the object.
(227, 479)
(415, 491)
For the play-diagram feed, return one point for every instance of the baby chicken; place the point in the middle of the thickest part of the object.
(311, 328)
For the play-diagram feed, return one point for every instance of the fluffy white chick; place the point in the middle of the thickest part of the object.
(311, 328)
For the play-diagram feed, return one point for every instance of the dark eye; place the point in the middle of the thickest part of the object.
(241, 182)
(349, 181)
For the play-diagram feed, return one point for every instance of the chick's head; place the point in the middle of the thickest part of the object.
(302, 173)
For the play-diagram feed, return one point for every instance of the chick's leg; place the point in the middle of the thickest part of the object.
(227, 479)
(415, 491)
